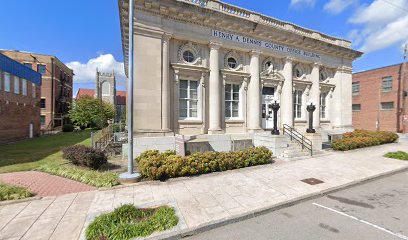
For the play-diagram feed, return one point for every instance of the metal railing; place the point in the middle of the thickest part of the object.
(101, 139)
(298, 137)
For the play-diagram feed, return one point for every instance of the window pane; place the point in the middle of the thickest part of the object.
(235, 113)
(193, 85)
(228, 88)
(236, 96)
(236, 88)
(183, 113)
(183, 104)
(183, 84)
(228, 94)
(235, 106)
(16, 85)
(183, 93)
(193, 94)
(193, 113)
(356, 107)
(193, 104)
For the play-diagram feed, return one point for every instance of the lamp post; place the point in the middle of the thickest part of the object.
(275, 108)
(311, 107)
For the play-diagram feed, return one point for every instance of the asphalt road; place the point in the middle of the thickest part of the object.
(375, 210)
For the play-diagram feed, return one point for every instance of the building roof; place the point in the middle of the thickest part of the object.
(375, 69)
(17, 69)
(120, 95)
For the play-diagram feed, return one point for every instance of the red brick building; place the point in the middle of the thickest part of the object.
(56, 89)
(380, 99)
(20, 94)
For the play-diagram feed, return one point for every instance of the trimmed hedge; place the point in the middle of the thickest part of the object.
(84, 156)
(161, 166)
(363, 138)
(68, 128)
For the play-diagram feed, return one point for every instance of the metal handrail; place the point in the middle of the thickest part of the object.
(298, 137)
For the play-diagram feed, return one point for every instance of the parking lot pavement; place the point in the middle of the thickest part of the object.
(375, 210)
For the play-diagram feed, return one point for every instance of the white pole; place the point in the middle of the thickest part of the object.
(130, 90)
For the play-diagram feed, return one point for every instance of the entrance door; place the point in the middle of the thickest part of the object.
(267, 112)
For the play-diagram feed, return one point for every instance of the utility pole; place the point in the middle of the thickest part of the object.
(130, 176)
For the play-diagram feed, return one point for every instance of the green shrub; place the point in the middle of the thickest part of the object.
(84, 156)
(90, 177)
(68, 128)
(9, 192)
(127, 222)
(363, 138)
(160, 166)
(397, 155)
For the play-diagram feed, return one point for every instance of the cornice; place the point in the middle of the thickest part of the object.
(218, 15)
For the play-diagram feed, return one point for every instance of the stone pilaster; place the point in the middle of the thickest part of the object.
(287, 93)
(214, 90)
(165, 84)
(254, 94)
(315, 94)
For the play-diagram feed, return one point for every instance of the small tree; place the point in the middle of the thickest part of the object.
(88, 111)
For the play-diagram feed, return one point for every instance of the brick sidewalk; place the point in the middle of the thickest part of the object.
(43, 184)
(203, 200)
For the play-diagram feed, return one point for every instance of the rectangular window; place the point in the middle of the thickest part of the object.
(1, 80)
(42, 103)
(387, 84)
(323, 97)
(33, 90)
(231, 100)
(387, 105)
(41, 68)
(7, 82)
(42, 120)
(188, 99)
(24, 84)
(297, 102)
(16, 85)
(356, 88)
(28, 65)
(356, 107)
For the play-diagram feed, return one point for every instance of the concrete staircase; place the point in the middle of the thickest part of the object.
(294, 151)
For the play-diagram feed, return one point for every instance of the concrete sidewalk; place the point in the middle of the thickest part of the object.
(204, 201)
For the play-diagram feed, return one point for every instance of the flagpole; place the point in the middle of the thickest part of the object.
(130, 176)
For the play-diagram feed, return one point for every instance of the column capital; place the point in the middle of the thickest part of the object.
(289, 59)
(317, 65)
(215, 45)
(166, 37)
(255, 53)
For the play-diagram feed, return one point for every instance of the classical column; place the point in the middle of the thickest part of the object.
(336, 106)
(165, 84)
(287, 93)
(254, 94)
(315, 94)
(214, 90)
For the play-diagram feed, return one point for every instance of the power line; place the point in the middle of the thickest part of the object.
(395, 5)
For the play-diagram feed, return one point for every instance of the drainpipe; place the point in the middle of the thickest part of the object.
(399, 110)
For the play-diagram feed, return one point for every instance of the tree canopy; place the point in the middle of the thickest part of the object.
(88, 111)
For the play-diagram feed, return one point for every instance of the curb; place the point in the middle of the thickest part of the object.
(178, 234)
(10, 202)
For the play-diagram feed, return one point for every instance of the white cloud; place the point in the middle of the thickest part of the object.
(338, 6)
(383, 24)
(86, 72)
(299, 3)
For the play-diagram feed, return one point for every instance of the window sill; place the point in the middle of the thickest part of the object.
(388, 109)
(324, 121)
(300, 121)
(234, 121)
(190, 121)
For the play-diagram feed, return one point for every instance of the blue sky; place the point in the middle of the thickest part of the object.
(86, 33)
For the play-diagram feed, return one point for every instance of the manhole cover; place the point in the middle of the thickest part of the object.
(312, 181)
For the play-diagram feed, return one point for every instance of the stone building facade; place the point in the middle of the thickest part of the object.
(56, 90)
(207, 67)
(20, 93)
(380, 99)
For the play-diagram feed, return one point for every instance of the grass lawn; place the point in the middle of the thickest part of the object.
(45, 154)
(397, 155)
(128, 222)
(9, 192)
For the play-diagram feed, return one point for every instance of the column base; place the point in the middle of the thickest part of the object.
(316, 139)
(215, 131)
